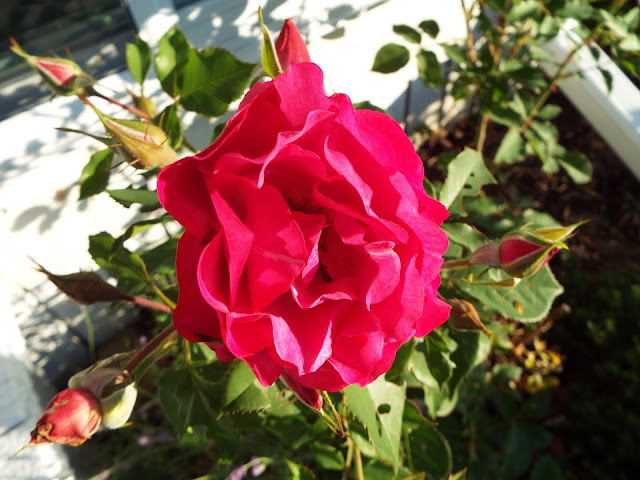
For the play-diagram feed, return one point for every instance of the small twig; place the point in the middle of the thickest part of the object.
(147, 349)
(129, 108)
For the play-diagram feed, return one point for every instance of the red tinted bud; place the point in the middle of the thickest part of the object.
(290, 46)
(521, 253)
(307, 395)
(63, 76)
(71, 417)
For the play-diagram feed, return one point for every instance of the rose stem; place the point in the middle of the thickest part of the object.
(133, 110)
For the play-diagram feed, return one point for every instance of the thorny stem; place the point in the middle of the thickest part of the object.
(170, 303)
(482, 133)
(91, 339)
(348, 459)
(131, 109)
(336, 415)
(469, 40)
(455, 264)
(359, 470)
(145, 302)
(155, 343)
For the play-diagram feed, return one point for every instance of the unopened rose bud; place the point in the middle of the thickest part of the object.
(71, 417)
(114, 388)
(309, 396)
(140, 144)
(63, 76)
(464, 316)
(290, 46)
(523, 252)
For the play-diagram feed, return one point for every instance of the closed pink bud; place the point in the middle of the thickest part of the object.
(63, 76)
(307, 395)
(521, 257)
(290, 46)
(71, 417)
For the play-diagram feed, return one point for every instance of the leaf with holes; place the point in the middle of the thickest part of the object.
(529, 301)
(379, 407)
(466, 175)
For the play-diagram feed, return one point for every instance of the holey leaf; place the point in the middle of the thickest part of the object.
(465, 175)
(379, 406)
(529, 301)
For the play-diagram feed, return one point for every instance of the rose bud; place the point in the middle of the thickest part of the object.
(63, 76)
(114, 388)
(290, 46)
(71, 417)
(522, 253)
(140, 144)
(307, 395)
(464, 316)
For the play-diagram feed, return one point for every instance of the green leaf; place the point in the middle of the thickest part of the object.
(578, 9)
(511, 149)
(430, 27)
(455, 52)
(172, 56)
(523, 440)
(547, 469)
(429, 68)
(95, 175)
(438, 358)
(189, 401)
(503, 116)
(473, 349)
(367, 105)
(402, 359)
(379, 407)
(461, 475)
(299, 472)
(121, 263)
(430, 452)
(243, 393)
(204, 81)
(138, 55)
(577, 166)
(464, 234)
(390, 58)
(549, 112)
(212, 79)
(139, 227)
(529, 301)
(328, 457)
(170, 124)
(549, 27)
(128, 196)
(466, 174)
(411, 35)
(616, 25)
(630, 43)
(523, 10)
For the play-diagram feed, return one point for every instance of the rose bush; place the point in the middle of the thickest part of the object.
(310, 248)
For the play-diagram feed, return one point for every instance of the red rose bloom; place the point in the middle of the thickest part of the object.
(310, 248)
